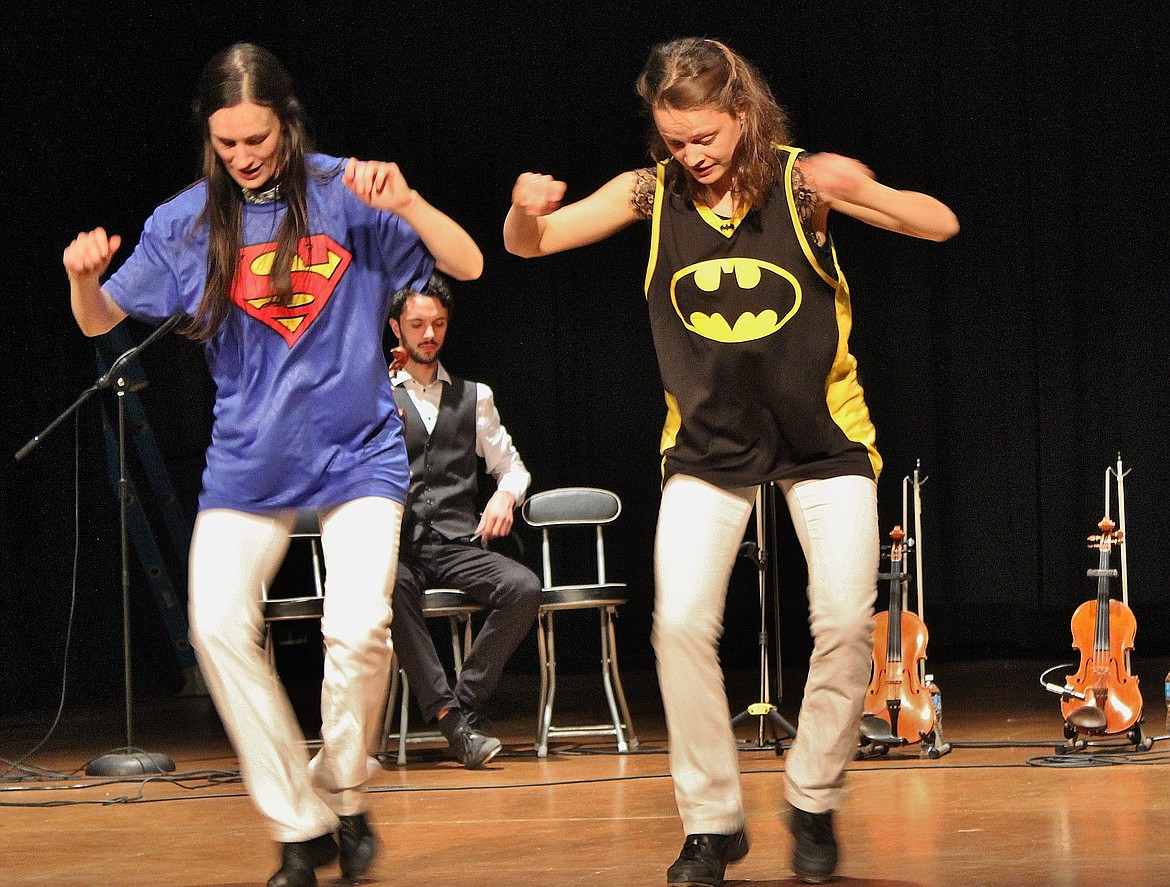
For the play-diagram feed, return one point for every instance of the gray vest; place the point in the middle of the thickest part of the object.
(443, 484)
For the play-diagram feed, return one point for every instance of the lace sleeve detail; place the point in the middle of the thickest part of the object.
(642, 192)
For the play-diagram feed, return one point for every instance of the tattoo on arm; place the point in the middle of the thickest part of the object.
(806, 197)
(808, 205)
(642, 192)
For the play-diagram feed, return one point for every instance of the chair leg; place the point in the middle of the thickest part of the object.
(398, 681)
(403, 714)
(612, 680)
(460, 640)
(391, 698)
(548, 680)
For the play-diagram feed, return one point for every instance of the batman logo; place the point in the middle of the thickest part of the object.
(734, 300)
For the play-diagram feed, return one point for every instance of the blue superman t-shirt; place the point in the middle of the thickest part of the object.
(304, 412)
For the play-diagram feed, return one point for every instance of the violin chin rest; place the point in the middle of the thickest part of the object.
(1087, 719)
(877, 731)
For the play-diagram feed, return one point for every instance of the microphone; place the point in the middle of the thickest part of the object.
(1066, 692)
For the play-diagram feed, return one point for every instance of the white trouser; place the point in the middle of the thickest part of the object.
(700, 528)
(232, 554)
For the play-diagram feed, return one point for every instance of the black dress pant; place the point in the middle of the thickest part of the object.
(509, 591)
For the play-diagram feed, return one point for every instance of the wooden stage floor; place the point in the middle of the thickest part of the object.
(1001, 809)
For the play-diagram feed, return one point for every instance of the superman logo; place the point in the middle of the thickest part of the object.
(734, 300)
(317, 268)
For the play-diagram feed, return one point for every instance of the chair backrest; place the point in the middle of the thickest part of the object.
(571, 506)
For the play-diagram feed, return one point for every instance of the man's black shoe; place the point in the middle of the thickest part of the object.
(475, 721)
(814, 854)
(358, 845)
(298, 860)
(704, 858)
(472, 748)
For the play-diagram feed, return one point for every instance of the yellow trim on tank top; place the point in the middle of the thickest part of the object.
(726, 227)
(655, 225)
(844, 395)
(670, 427)
(809, 254)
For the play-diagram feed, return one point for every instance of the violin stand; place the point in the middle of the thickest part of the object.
(877, 740)
(757, 553)
(1073, 741)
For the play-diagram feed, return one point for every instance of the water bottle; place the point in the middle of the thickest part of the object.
(936, 701)
(1167, 687)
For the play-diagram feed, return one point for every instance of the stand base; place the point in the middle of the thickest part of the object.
(130, 762)
(767, 713)
(1074, 742)
(877, 739)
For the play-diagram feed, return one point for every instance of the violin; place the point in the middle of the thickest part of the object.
(1106, 697)
(897, 692)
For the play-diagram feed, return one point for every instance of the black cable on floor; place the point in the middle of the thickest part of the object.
(18, 764)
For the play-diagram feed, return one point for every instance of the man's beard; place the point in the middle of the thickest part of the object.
(419, 358)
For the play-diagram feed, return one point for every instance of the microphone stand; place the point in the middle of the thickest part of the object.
(129, 761)
(759, 554)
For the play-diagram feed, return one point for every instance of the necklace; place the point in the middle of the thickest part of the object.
(268, 195)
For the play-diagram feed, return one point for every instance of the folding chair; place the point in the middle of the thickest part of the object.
(561, 510)
(310, 606)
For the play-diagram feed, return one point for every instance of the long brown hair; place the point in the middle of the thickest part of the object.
(693, 72)
(247, 73)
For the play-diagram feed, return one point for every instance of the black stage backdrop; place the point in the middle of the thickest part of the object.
(1015, 361)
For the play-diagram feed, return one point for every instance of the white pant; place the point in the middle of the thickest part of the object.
(232, 554)
(700, 528)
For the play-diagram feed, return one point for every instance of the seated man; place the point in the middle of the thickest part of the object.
(449, 423)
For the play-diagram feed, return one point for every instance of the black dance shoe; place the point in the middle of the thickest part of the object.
(814, 854)
(704, 859)
(358, 845)
(298, 860)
